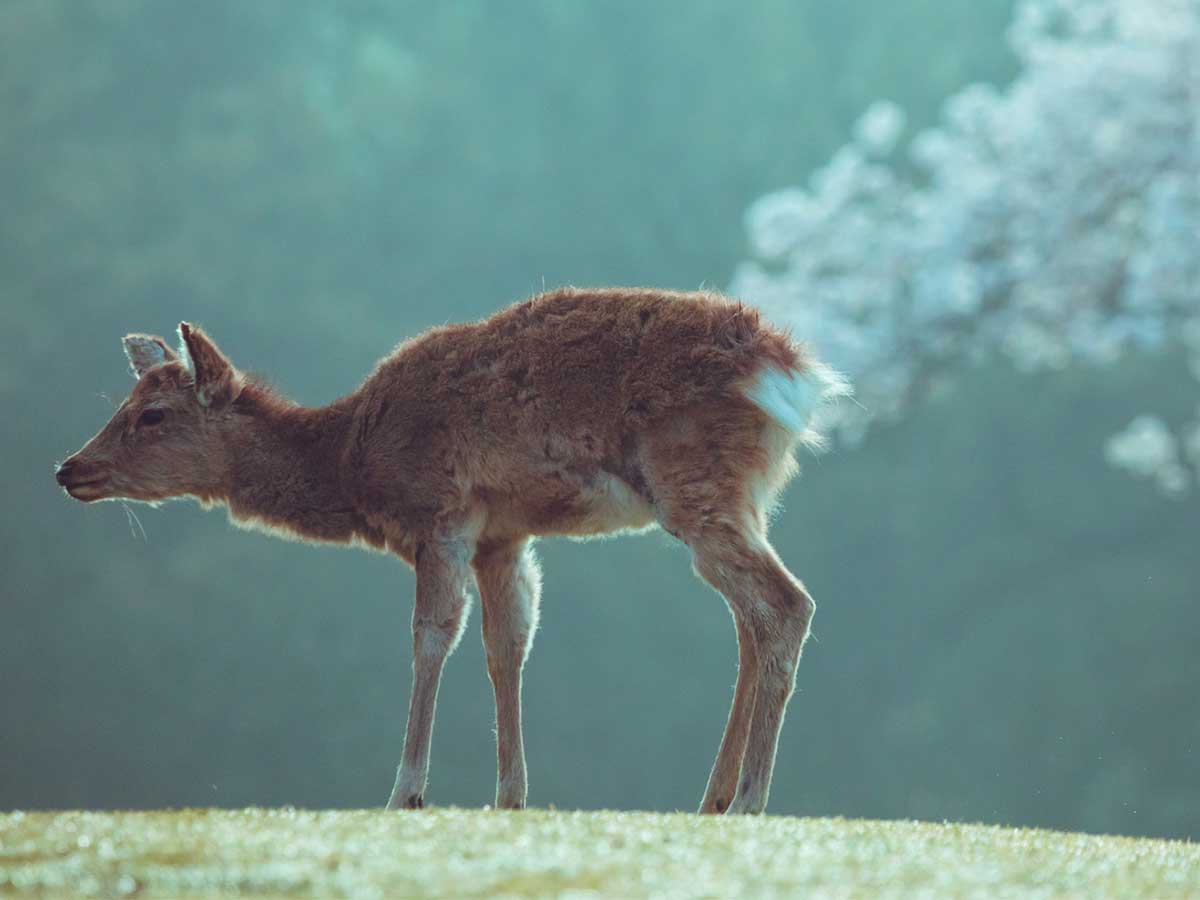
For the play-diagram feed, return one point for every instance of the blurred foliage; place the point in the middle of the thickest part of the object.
(1006, 626)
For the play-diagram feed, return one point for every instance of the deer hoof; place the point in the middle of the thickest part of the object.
(413, 801)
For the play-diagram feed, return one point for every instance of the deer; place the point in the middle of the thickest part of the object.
(576, 412)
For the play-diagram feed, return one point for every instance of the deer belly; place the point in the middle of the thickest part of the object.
(608, 505)
(569, 505)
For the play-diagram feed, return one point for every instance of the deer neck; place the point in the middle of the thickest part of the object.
(284, 470)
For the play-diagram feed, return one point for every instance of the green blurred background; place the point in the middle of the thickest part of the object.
(1007, 627)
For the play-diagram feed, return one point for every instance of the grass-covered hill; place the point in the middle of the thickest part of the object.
(461, 853)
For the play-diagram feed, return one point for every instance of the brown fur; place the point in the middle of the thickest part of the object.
(575, 412)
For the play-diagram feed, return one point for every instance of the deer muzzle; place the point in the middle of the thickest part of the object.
(81, 481)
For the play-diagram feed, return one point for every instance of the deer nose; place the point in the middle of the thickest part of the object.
(64, 472)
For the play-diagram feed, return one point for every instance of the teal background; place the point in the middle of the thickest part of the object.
(1007, 627)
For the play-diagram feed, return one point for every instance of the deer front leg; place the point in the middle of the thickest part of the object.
(509, 590)
(438, 618)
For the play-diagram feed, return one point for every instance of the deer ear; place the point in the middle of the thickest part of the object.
(145, 351)
(217, 382)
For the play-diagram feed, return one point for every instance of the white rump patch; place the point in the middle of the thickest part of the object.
(795, 398)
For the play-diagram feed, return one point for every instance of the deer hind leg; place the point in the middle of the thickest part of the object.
(439, 614)
(509, 590)
(722, 781)
(773, 612)
(713, 477)
(782, 614)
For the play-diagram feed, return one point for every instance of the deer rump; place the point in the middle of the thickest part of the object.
(572, 412)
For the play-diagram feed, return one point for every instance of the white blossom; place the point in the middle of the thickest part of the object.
(1149, 449)
(879, 128)
(1052, 222)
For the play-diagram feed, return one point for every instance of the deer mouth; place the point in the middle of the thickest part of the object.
(87, 490)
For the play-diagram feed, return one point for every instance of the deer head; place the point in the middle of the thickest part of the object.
(168, 438)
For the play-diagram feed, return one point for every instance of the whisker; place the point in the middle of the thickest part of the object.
(131, 518)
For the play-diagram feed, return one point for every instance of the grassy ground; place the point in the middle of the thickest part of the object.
(460, 853)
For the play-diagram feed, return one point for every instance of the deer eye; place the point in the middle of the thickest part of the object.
(151, 417)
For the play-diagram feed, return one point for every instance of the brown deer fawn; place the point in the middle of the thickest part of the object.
(576, 412)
